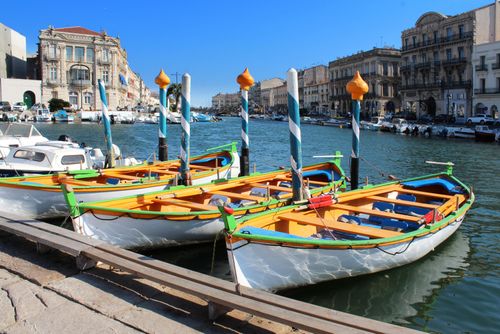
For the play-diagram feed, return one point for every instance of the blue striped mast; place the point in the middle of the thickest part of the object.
(162, 80)
(295, 134)
(186, 128)
(357, 87)
(110, 155)
(245, 81)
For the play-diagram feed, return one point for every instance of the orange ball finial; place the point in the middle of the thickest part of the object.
(357, 87)
(162, 80)
(245, 80)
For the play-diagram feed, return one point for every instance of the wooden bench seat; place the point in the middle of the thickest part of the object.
(371, 232)
(402, 202)
(238, 196)
(271, 187)
(424, 193)
(378, 213)
(185, 204)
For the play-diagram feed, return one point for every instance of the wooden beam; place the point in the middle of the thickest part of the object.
(371, 232)
(238, 196)
(424, 193)
(402, 202)
(377, 213)
(185, 204)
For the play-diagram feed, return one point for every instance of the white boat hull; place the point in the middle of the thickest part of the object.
(288, 267)
(39, 204)
(134, 233)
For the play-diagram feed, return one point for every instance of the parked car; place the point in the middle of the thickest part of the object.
(19, 106)
(443, 118)
(480, 119)
(5, 106)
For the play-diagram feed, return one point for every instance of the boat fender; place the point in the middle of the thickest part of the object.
(428, 218)
(320, 201)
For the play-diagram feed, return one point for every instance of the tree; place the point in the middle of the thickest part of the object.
(57, 104)
(175, 90)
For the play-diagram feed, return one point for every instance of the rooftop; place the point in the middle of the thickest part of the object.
(78, 30)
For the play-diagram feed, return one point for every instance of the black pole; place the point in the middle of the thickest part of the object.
(163, 149)
(245, 162)
(354, 173)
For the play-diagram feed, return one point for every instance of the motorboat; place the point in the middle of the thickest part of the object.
(14, 135)
(374, 124)
(463, 132)
(43, 115)
(62, 116)
(485, 134)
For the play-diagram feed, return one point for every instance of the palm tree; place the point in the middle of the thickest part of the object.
(175, 90)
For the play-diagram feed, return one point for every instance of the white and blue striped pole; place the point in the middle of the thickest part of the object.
(186, 128)
(357, 87)
(245, 81)
(163, 81)
(295, 134)
(110, 156)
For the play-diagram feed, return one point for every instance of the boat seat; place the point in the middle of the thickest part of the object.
(380, 222)
(325, 234)
(451, 187)
(112, 180)
(407, 209)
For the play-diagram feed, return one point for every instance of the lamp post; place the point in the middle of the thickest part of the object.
(357, 87)
(245, 81)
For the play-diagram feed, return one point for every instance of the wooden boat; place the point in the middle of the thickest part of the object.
(190, 215)
(354, 233)
(42, 197)
(485, 134)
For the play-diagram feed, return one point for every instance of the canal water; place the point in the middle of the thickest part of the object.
(455, 289)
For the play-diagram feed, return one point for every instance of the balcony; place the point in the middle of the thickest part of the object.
(454, 61)
(440, 85)
(423, 65)
(101, 61)
(486, 91)
(80, 83)
(436, 63)
(482, 67)
(52, 82)
(49, 57)
(406, 68)
(495, 66)
(441, 40)
(457, 84)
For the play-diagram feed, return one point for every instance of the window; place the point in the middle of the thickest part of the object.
(424, 38)
(73, 98)
(448, 54)
(435, 36)
(79, 53)
(87, 98)
(385, 69)
(394, 69)
(461, 53)
(482, 83)
(482, 60)
(53, 73)
(414, 59)
(449, 33)
(385, 90)
(105, 55)
(79, 73)
(424, 57)
(69, 53)
(406, 43)
(90, 55)
(498, 60)
(72, 159)
(29, 155)
(461, 30)
(414, 39)
(105, 76)
(498, 84)
(55, 95)
(52, 50)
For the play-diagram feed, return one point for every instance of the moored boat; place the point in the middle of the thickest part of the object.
(485, 134)
(184, 215)
(354, 233)
(41, 196)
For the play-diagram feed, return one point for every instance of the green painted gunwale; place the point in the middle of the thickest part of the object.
(352, 243)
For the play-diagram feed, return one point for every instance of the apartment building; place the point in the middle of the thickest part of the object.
(226, 101)
(436, 60)
(486, 79)
(379, 67)
(73, 59)
(316, 89)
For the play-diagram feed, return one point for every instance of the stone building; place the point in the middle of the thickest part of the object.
(73, 59)
(267, 93)
(12, 53)
(379, 67)
(486, 79)
(436, 60)
(279, 99)
(316, 89)
(223, 101)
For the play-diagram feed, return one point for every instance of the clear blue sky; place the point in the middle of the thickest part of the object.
(215, 40)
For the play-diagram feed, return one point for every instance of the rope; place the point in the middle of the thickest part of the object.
(378, 169)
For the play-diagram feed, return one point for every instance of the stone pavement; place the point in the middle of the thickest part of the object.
(45, 293)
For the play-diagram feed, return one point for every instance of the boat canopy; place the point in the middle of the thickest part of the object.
(19, 130)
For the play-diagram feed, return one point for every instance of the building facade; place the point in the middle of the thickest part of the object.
(223, 101)
(12, 53)
(267, 93)
(316, 89)
(436, 60)
(73, 59)
(486, 79)
(279, 99)
(379, 67)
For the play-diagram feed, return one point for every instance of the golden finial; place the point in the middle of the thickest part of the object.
(162, 80)
(245, 80)
(357, 87)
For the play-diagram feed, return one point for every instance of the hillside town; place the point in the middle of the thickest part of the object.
(447, 65)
